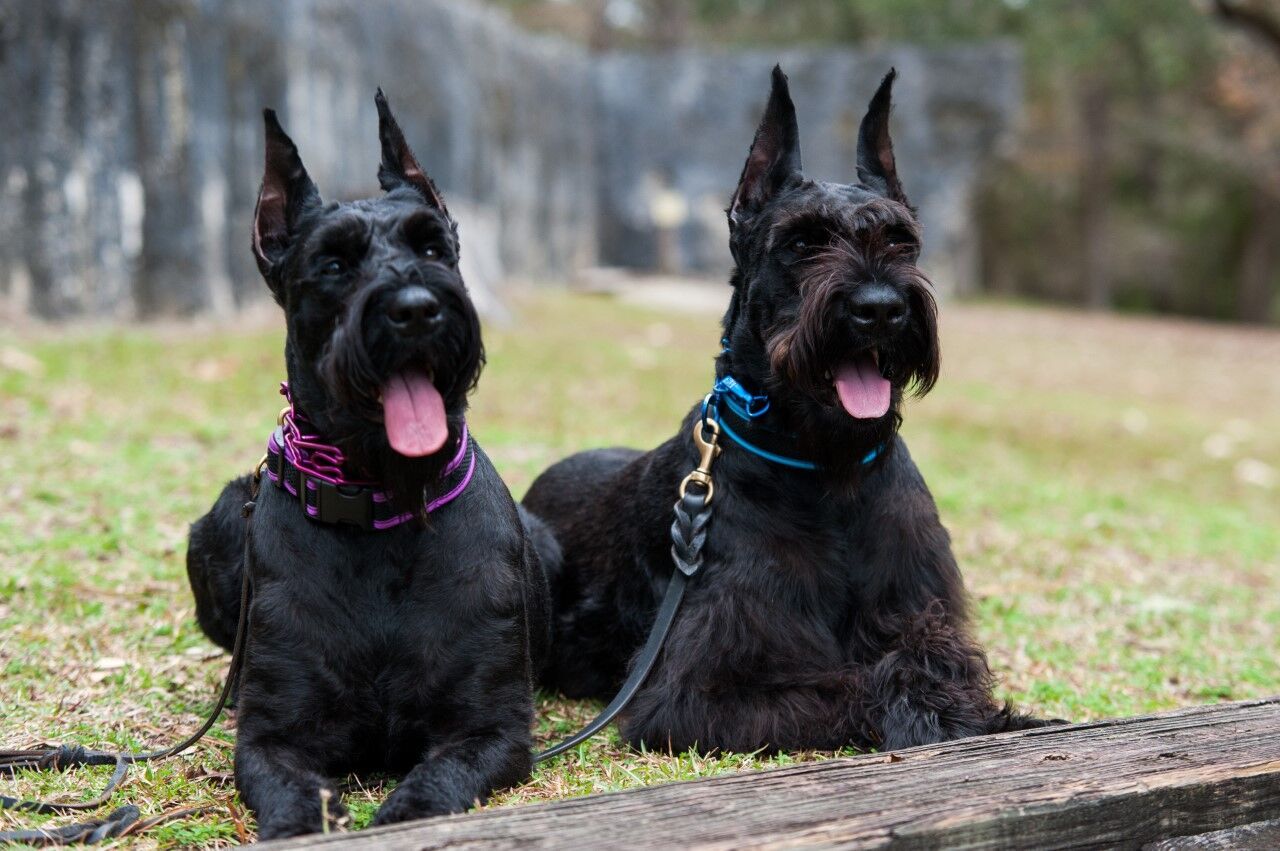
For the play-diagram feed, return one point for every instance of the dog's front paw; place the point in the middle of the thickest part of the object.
(403, 806)
(283, 828)
(311, 811)
(1030, 722)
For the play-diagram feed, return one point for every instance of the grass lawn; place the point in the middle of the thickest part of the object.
(1112, 487)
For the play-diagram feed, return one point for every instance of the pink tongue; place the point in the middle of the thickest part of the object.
(863, 391)
(414, 414)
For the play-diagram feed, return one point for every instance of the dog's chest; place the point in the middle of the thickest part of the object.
(803, 562)
(368, 594)
(392, 594)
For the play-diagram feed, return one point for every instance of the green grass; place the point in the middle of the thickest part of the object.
(1110, 485)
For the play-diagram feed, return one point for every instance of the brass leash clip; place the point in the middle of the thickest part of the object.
(708, 449)
(262, 464)
(256, 481)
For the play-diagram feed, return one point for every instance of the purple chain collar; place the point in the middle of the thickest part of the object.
(319, 464)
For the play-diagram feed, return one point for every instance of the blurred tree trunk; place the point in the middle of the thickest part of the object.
(1150, 164)
(1258, 263)
(45, 44)
(170, 279)
(1095, 188)
(1261, 253)
(600, 38)
(1252, 18)
(668, 23)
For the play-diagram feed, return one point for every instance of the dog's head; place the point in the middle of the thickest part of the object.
(830, 311)
(383, 340)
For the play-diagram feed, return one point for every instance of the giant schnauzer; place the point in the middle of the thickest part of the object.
(830, 611)
(398, 609)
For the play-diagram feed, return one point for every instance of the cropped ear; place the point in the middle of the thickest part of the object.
(399, 166)
(774, 156)
(876, 167)
(286, 194)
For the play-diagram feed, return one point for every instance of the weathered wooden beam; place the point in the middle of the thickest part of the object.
(1194, 773)
(1259, 836)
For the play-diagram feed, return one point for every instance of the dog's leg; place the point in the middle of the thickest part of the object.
(711, 692)
(542, 560)
(215, 563)
(795, 716)
(932, 685)
(927, 678)
(458, 775)
(285, 790)
(482, 740)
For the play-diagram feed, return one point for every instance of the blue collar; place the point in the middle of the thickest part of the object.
(729, 401)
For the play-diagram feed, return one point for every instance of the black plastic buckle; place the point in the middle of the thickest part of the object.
(344, 504)
(279, 459)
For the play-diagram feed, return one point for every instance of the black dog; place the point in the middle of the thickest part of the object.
(398, 626)
(830, 610)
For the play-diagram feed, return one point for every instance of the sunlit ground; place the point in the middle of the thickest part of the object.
(1112, 487)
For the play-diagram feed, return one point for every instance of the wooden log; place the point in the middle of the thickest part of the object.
(1195, 773)
(1259, 836)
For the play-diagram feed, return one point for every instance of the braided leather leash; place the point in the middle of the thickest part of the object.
(688, 534)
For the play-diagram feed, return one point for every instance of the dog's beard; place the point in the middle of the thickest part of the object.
(357, 362)
(806, 350)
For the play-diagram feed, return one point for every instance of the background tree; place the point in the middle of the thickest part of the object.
(1148, 174)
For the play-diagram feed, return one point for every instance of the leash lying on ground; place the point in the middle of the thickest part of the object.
(125, 820)
(688, 534)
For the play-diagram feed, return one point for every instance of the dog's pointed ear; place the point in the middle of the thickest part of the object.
(286, 194)
(399, 166)
(876, 167)
(774, 157)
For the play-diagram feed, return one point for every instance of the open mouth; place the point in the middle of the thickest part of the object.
(413, 413)
(863, 391)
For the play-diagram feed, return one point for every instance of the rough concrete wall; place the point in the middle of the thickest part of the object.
(675, 130)
(130, 140)
(499, 118)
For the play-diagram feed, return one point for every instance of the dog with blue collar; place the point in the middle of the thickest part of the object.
(828, 610)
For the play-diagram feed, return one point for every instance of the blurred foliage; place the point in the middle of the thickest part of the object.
(1147, 176)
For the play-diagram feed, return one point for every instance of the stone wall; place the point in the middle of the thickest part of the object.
(675, 130)
(130, 140)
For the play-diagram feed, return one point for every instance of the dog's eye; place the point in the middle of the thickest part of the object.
(333, 268)
(899, 238)
(803, 245)
(430, 252)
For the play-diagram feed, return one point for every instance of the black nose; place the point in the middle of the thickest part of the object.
(878, 309)
(413, 310)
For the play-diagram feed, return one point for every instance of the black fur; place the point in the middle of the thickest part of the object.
(830, 610)
(412, 650)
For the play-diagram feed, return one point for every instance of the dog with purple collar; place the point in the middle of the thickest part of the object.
(399, 611)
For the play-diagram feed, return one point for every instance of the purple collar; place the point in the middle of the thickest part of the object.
(302, 464)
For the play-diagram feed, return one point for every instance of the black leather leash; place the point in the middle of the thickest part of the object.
(125, 820)
(688, 534)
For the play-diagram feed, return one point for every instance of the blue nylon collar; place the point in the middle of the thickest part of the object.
(728, 392)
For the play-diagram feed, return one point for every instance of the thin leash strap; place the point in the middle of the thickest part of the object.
(688, 535)
(639, 671)
(124, 820)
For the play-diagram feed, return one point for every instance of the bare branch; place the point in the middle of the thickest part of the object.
(1250, 18)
